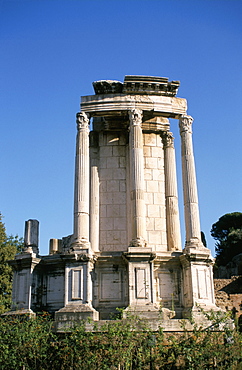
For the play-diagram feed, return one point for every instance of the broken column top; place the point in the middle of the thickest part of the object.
(31, 234)
(31, 237)
(138, 85)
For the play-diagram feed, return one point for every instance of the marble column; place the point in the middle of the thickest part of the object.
(137, 179)
(192, 220)
(81, 192)
(94, 204)
(31, 237)
(171, 195)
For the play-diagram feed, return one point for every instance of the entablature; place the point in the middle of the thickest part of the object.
(119, 104)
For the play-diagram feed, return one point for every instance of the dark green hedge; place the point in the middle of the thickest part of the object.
(29, 344)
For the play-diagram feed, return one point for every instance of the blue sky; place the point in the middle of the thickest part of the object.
(52, 51)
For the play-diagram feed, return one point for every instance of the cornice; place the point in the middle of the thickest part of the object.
(116, 104)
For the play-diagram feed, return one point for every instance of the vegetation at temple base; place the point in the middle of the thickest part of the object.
(228, 233)
(31, 344)
(9, 246)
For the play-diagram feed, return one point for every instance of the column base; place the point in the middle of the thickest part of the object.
(73, 314)
(200, 313)
(78, 245)
(146, 311)
(28, 313)
(138, 243)
(196, 247)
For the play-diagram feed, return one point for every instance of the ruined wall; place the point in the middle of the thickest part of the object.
(228, 294)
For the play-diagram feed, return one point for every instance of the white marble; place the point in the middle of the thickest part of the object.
(81, 191)
(171, 194)
(126, 247)
(137, 179)
(192, 219)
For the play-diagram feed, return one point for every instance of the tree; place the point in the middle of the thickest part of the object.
(228, 233)
(9, 246)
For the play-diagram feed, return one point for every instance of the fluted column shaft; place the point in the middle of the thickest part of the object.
(94, 205)
(81, 192)
(137, 179)
(171, 195)
(192, 220)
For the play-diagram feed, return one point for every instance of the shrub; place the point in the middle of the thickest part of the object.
(30, 344)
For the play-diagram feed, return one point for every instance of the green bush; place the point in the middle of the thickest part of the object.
(29, 344)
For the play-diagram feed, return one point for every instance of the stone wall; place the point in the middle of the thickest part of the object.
(115, 221)
(113, 211)
(155, 192)
(228, 293)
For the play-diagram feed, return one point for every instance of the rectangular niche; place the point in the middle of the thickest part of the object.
(110, 286)
(202, 282)
(140, 283)
(166, 286)
(22, 290)
(77, 282)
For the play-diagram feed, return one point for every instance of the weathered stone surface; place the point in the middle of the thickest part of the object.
(31, 237)
(161, 105)
(125, 250)
(228, 293)
(151, 85)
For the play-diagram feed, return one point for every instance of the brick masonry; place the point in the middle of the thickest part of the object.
(228, 293)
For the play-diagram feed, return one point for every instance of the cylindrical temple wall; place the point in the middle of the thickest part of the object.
(137, 179)
(192, 220)
(81, 192)
(171, 195)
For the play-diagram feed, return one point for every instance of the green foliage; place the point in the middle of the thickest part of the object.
(203, 238)
(9, 246)
(30, 344)
(228, 233)
(116, 344)
(26, 343)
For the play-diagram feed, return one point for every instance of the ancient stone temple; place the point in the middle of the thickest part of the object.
(126, 249)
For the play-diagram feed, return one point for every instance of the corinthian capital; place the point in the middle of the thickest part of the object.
(168, 139)
(185, 124)
(135, 116)
(82, 121)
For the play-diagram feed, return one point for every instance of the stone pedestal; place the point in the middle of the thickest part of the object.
(78, 290)
(24, 282)
(141, 295)
(198, 289)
